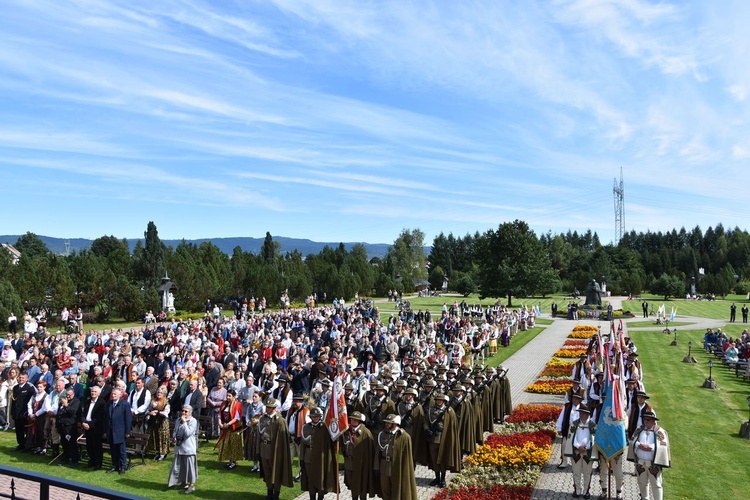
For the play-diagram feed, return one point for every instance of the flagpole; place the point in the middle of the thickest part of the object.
(338, 482)
(609, 480)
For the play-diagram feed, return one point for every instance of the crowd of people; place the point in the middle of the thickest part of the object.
(647, 443)
(415, 388)
(732, 349)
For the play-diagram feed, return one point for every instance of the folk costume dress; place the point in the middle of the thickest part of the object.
(230, 444)
(158, 427)
(252, 443)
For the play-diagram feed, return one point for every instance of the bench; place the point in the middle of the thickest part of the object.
(204, 427)
(135, 445)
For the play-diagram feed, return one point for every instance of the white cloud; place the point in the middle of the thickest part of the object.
(738, 91)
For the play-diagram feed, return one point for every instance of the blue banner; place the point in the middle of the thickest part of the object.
(610, 432)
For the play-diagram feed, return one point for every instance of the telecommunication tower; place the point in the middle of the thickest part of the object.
(619, 192)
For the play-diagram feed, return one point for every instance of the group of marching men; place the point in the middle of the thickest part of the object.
(647, 442)
(431, 416)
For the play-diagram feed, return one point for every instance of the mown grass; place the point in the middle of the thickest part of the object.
(709, 459)
(645, 324)
(715, 309)
(516, 343)
(150, 480)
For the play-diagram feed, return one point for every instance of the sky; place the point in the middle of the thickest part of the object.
(353, 120)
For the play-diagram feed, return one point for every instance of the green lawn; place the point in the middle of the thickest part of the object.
(643, 324)
(516, 343)
(717, 309)
(150, 480)
(709, 459)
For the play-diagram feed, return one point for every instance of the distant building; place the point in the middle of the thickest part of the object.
(15, 255)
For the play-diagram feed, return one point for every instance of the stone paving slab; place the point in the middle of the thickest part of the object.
(29, 490)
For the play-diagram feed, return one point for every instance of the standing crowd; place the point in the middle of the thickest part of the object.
(414, 384)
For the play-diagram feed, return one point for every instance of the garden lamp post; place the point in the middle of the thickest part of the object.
(689, 358)
(745, 427)
(710, 383)
(674, 342)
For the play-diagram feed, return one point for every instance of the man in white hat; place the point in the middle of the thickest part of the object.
(276, 461)
(579, 445)
(650, 452)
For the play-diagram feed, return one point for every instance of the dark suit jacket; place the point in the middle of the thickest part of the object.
(256, 368)
(20, 402)
(106, 392)
(118, 421)
(96, 425)
(67, 419)
(196, 402)
(212, 377)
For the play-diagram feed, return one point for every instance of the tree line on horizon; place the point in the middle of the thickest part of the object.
(107, 280)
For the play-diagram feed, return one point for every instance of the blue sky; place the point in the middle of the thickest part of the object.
(349, 121)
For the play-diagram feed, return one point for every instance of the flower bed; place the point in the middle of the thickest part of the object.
(561, 362)
(510, 456)
(569, 352)
(585, 328)
(549, 386)
(582, 334)
(533, 414)
(510, 462)
(555, 371)
(497, 492)
(539, 438)
(576, 343)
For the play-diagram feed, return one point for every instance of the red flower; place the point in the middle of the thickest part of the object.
(496, 492)
(534, 413)
(539, 438)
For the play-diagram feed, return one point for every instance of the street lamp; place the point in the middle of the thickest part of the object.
(674, 342)
(690, 347)
(710, 369)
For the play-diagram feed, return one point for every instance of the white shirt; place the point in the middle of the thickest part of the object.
(135, 397)
(645, 437)
(582, 437)
(91, 409)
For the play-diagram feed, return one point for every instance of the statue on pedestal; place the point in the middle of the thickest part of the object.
(593, 294)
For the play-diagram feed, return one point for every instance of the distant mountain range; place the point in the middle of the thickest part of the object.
(226, 245)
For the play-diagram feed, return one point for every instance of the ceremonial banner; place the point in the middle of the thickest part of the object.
(336, 419)
(610, 430)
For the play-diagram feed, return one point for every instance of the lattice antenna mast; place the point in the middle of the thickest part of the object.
(619, 193)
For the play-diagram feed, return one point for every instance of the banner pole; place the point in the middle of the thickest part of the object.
(338, 482)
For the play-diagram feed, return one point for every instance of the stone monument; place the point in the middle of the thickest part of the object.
(593, 294)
